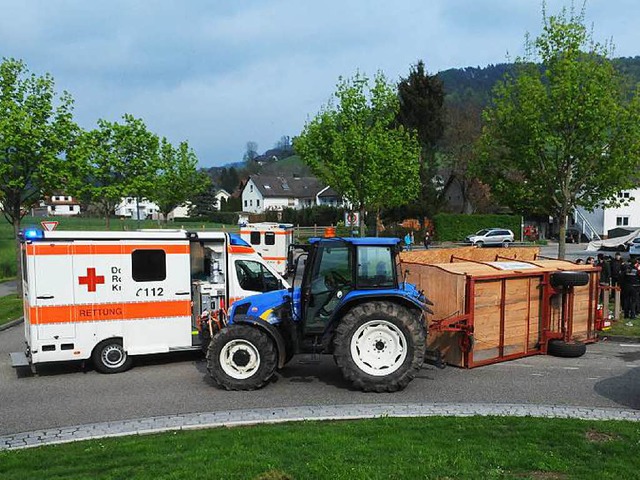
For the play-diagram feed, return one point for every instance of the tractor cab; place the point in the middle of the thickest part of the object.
(338, 268)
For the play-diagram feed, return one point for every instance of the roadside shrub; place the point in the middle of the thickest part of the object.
(308, 217)
(229, 218)
(451, 227)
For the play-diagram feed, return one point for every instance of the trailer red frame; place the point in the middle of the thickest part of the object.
(508, 310)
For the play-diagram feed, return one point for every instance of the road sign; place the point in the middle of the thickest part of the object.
(351, 219)
(49, 226)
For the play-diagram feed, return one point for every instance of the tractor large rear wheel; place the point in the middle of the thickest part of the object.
(241, 357)
(380, 346)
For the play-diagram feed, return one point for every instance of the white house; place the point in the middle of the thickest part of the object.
(220, 196)
(603, 219)
(265, 192)
(61, 205)
(127, 208)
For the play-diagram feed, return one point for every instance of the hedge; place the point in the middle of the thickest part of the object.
(307, 217)
(455, 227)
(229, 218)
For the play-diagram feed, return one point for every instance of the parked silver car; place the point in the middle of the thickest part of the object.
(634, 247)
(491, 236)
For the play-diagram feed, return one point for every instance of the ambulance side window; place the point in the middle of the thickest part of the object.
(269, 238)
(254, 277)
(255, 238)
(149, 265)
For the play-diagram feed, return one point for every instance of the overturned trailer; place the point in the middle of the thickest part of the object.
(503, 304)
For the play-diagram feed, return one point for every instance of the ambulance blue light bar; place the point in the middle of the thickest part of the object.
(33, 234)
(236, 240)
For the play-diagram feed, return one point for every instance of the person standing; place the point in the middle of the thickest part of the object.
(407, 241)
(427, 239)
(605, 270)
(616, 270)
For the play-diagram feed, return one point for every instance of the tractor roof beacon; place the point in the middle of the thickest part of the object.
(350, 303)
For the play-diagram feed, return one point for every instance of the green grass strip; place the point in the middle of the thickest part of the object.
(10, 308)
(389, 448)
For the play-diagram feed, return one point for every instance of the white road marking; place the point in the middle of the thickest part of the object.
(571, 368)
(632, 345)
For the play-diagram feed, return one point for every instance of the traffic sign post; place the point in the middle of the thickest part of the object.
(49, 225)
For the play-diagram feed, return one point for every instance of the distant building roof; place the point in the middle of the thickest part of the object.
(294, 187)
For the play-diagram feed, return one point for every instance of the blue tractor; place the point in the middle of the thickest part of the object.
(351, 302)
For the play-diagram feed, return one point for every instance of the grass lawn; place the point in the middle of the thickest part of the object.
(621, 328)
(10, 308)
(438, 447)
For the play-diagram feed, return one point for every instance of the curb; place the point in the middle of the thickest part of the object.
(10, 324)
(190, 421)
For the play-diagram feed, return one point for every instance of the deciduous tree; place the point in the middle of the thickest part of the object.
(178, 180)
(355, 145)
(36, 129)
(561, 132)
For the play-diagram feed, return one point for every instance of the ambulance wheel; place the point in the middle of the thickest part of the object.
(380, 346)
(110, 357)
(241, 357)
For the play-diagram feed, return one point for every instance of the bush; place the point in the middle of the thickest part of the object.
(455, 227)
(7, 259)
(307, 217)
(229, 218)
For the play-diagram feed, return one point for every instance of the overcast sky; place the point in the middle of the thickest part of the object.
(221, 73)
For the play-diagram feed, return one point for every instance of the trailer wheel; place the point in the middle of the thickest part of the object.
(560, 348)
(241, 357)
(569, 279)
(380, 346)
(109, 356)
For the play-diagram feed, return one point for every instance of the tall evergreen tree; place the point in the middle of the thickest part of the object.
(421, 110)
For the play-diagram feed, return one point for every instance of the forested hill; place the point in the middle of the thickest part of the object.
(476, 83)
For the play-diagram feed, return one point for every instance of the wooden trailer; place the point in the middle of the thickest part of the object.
(488, 311)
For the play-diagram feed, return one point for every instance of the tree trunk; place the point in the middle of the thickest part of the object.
(362, 224)
(16, 231)
(562, 240)
(377, 221)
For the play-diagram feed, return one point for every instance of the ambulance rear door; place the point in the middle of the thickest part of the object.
(53, 292)
(156, 295)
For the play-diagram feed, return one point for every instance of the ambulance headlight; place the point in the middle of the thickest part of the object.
(33, 234)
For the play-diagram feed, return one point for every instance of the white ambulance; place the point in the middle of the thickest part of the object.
(271, 241)
(109, 296)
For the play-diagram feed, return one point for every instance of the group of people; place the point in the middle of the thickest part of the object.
(620, 273)
(409, 240)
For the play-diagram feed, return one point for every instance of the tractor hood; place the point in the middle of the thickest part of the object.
(262, 305)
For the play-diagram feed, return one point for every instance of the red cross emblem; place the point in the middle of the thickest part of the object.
(91, 280)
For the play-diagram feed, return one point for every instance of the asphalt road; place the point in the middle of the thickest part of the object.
(70, 394)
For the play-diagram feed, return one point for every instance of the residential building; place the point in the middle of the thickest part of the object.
(266, 192)
(603, 219)
(221, 195)
(60, 205)
(127, 208)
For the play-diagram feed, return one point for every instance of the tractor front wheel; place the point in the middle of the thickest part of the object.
(241, 357)
(380, 346)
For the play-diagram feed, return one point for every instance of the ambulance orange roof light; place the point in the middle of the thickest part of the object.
(329, 232)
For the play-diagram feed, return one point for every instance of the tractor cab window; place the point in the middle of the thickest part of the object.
(330, 281)
(375, 267)
(333, 270)
(255, 277)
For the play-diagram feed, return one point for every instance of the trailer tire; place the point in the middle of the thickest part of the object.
(109, 356)
(241, 357)
(569, 279)
(379, 346)
(560, 348)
